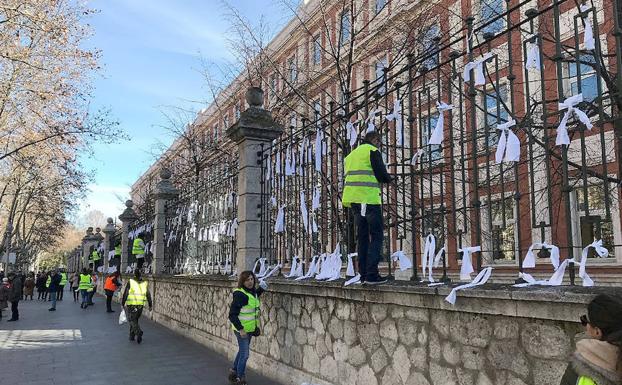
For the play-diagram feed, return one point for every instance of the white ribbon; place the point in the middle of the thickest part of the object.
(569, 105)
(370, 122)
(437, 135)
(363, 209)
(350, 267)
(404, 263)
(602, 253)
(273, 201)
(319, 149)
(467, 264)
(416, 157)
(352, 133)
(588, 34)
(354, 280)
(396, 116)
(313, 268)
(480, 279)
(428, 255)
(304, 212)
(478, 67)
(233, 228)
(268, 172)
(279, 226)
(509, 144)
(533, 56)
(314, 224)
(301, 152)
(270, 273)
(261, 263)
(315, 204)
(530, 258)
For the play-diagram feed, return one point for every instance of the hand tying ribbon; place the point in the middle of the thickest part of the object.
(533, 56)
(569, 105)
(467, 264)
(509, 144)
(352, 133)
(437, 135)
(478, 68)
(402, 260)
(480, 279)
(588, 34)
(396, 116)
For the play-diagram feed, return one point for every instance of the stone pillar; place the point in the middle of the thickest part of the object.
(255, 127)
(109, 231)
(164, 191)
(127, 217)
(88, 241)
(97, 239)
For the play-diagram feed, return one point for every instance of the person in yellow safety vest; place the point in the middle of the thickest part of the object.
(135, 295)
(93, 288)
(117, 250)
(95, 257)
(364, 172)
(138, 250)
(48, 281)
(598, 359)
(84, 286)
(244, 318)
(61, 287)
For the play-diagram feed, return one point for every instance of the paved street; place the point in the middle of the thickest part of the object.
(75, 346)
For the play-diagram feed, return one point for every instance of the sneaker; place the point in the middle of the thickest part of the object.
(240, 381)
(52, 309)
(233, 376)
(377, 281)
(109, 311)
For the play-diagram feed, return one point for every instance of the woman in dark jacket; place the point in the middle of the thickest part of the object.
(40, 283)
(598, 359)
(244, 318)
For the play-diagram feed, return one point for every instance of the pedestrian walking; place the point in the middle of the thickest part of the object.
(61, 286)
(75, 283)
(135, 295)
(84, 286)
(598, 358)
(55, 280)
(244, 318)
(5, 288)
(15, 294)
(364, 172)
(29, 286)
(110, 286)
(93, 287)
(40, 284)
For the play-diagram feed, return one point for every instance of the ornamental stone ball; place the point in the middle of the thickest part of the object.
(254, 97)
(165, 173)
(109, 220)
(129, 203)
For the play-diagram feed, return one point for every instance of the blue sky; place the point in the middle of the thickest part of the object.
(151, 56)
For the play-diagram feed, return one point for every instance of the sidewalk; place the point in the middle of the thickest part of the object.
(87, 347)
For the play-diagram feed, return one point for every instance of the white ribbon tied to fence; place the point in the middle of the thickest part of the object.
(602, 253)
(467, 264)
(588, 34)
(530, 258)
(320, 149)
(530, 262)
(403, 262)
(279, 226)
(569, 105)
(261, 263)
(352, 133)
(438, 133)
(429, 259)
(416, 157)
(479, 280)
(478, 68)
(304, 212)
(313, 267)
(396, 115)
(296, 268)
(533, 56)
(350, 266)
(509, 144)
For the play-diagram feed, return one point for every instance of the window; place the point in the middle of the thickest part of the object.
(380, 4)
(317, 111)
(346, 27)
(588, 85)
(292, 70)
(502, 215)
(430, 46)
(592, 220)
(495, 112)
(317, 50)
(225, 121)
(433, 152)
(489, 9)
(237, 111)
(216, 133)
(379, 68)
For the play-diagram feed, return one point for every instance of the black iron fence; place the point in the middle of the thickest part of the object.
(501, 136)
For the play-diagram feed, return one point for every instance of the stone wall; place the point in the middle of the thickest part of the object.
(388, 335)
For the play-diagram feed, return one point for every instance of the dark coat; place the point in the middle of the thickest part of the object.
(16, 290)
(55, 282)
(4, 296)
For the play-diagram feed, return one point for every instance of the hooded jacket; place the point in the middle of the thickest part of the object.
(594, 359)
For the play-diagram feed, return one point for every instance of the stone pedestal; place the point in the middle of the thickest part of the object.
(127, 217)
(109, 231)
(164, 191)
(88, 241)
(255, 127)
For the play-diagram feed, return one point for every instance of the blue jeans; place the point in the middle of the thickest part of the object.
(370, 238)
(53, 298)
(244, 344)
(85, 296)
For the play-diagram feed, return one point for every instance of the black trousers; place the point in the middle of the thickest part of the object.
(61, 290)
(133, 314)
(14, 310)
(109, 295)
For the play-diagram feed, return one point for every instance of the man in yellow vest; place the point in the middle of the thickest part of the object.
(96, 257)
(61, 287)
(135, 296)
(84, 286)
(365, 171)
(138, 250)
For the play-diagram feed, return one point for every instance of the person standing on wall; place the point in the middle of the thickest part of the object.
(61, 286)
(55, 279)
(15, 294)
(598, 358)
(135, 295)
(110, 286)
(244, 318)
(365, 171)
(93, 288)
(138, 251)
(84, 286)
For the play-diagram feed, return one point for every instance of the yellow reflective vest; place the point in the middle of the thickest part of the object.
(63, 279)
(138, 247)
(95, 256)
(361, 185)
(48, 281)
(137, 294)
(85, 282)
(585, 381)
(117, 250)
(249, 314)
